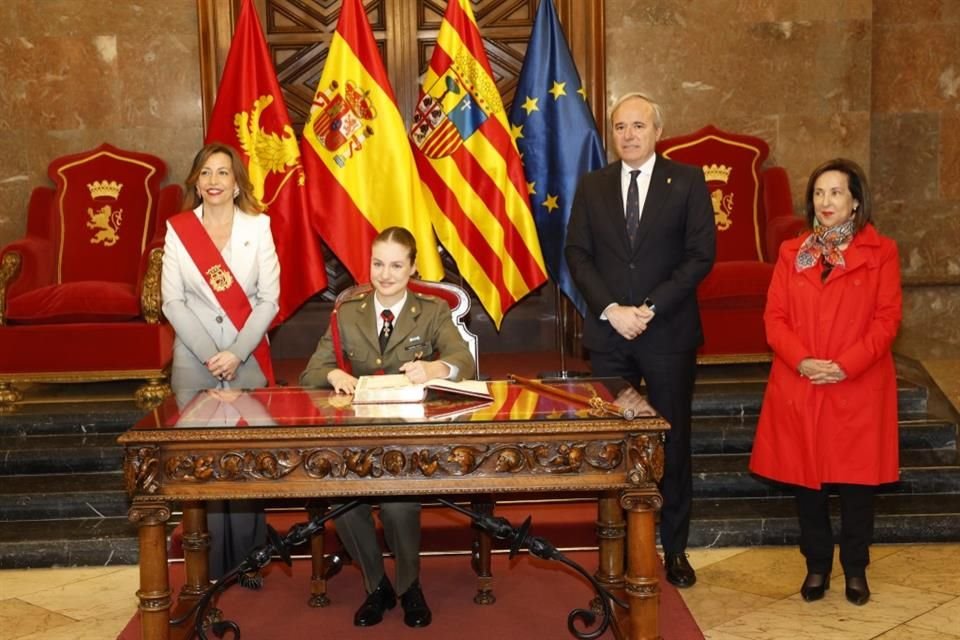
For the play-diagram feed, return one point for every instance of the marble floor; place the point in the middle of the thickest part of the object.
(742, 594)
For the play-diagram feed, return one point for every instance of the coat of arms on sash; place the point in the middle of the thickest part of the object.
(342, 124)
(450, 111)
(219, 278)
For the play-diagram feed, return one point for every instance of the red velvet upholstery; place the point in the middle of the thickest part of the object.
(753, 211)
(79, 295)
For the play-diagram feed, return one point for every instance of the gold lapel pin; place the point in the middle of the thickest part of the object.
(669, 180)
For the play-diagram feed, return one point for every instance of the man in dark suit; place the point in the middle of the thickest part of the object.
(641, 238)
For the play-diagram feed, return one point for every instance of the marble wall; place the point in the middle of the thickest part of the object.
(915, 153)
(75, 73)
(874, 80)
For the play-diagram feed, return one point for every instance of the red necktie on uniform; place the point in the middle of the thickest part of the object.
(387, 329)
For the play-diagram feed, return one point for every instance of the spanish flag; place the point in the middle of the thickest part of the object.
(470, 166)
(250, 116)
(360, 169)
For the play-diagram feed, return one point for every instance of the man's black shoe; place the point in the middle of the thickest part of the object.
(416, 613)
(679, 572)
(371, 611)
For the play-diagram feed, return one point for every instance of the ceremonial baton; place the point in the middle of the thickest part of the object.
(594, 402)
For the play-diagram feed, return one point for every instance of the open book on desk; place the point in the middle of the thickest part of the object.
(397, 388)
(435, 410)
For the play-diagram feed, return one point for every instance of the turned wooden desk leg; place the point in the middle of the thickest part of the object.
(196, 551)
(318, 568)
(154, 592)
(611, 531)
(643, 565)
(482, 549)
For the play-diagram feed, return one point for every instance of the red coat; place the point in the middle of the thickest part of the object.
(844, 432)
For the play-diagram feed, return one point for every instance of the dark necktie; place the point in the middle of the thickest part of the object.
(387, 329)
(632, 211)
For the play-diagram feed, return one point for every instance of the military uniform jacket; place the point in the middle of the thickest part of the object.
(422, 330)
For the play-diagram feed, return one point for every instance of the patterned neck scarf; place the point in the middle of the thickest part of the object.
(825, 242)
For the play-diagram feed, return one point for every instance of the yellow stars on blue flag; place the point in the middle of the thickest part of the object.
(551, 203)
(530, 105)
(559, 141)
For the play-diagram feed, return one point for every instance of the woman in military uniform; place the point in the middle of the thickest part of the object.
(389, 329)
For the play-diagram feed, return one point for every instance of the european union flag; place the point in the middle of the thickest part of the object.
(557, 137)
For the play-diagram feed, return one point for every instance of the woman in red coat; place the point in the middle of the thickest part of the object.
(829, 415)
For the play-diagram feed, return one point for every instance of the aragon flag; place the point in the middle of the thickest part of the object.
(557, 137)
(470, 166)
(361, 173)
(250, 116)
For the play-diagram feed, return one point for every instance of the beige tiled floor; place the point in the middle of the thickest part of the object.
(742, 594)
(753, 594)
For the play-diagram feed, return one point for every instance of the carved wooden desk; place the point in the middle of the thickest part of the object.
(288, 442)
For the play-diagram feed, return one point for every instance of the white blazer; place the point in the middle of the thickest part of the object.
(202, 326)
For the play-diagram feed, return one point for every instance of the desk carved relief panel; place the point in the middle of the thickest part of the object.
(638, 459)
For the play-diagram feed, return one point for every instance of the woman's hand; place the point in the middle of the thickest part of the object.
(419, 371)
(821, 371)
(223, 365)
(341, 381)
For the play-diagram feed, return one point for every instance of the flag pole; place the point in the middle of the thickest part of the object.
(561, 327)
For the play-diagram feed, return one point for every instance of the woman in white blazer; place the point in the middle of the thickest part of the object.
(210, 350)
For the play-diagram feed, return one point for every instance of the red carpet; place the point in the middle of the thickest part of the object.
(533, 600)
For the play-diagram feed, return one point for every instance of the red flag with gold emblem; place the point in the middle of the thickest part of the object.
(250, 116)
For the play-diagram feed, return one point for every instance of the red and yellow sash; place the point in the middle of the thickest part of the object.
(220, 279)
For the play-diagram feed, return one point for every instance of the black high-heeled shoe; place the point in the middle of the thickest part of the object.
(858, 592)
(814, 586)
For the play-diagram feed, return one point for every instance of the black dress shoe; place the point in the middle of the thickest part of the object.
(858, 592)
(814, 586)
(679, 572)
(371, 611)
(416, 613)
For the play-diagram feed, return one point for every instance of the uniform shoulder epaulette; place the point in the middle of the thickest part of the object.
(362, 293)
(427, 296)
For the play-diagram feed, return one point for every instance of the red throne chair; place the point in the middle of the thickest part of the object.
(80, 294)
(753, 212)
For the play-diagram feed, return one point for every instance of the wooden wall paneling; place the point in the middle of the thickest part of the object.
(216, 19)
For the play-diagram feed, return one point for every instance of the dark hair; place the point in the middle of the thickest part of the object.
(245, 200)
(856, 182)
(402, 237)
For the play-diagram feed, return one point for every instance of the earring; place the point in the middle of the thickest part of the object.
(236, 192)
